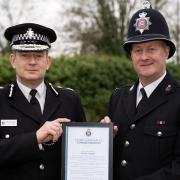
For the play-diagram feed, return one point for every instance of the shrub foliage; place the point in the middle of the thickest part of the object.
(94, 77)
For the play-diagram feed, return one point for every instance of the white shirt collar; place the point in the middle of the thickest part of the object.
(149, 88)
(26, 90)
(41, 89)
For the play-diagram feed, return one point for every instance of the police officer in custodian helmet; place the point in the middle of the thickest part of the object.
(146, 115)
(32, 110)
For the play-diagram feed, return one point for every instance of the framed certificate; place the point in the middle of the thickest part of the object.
(87, 151)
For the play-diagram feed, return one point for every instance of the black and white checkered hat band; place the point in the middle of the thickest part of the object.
(26, 36)
(29, 47)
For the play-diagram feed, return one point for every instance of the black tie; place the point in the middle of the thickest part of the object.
(143, 100)
(35, 102)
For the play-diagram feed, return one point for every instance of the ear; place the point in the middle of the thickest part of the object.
(167, 50)
(12, 59)
(49, 61)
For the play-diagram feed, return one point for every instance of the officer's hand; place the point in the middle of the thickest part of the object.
(107, 120)
(51, 130)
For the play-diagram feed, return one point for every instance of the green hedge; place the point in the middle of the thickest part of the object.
(93, 77)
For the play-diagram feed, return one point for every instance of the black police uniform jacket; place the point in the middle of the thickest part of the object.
(147, 145)
(20, 156)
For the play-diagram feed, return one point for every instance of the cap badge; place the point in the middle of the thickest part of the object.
(30, 33)
(142, 23)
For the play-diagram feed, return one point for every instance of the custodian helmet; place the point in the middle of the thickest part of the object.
(147, 25)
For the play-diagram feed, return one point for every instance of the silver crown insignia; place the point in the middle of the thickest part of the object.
(30, 33)
(142, 15)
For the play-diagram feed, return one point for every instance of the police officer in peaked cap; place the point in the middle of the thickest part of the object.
(32, 110)
(146, 115)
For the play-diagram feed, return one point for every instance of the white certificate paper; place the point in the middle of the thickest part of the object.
(87, 153)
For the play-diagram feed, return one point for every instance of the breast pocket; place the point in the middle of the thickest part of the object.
(164, 136)
(160, 131)
(9, 128)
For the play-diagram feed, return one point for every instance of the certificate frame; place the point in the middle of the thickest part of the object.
(105, 169)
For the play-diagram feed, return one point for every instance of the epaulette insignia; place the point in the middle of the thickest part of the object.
(69, 89)
(116, 89)
(11, 90)
(53, 89)
(168, 88)
(60, 87)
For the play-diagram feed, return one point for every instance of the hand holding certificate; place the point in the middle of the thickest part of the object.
(87, 151)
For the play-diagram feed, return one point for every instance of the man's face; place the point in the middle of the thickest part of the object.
(30, 66)
(149, 59)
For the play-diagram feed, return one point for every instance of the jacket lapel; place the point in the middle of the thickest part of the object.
(129, 101)
(19, 102)
(51, 104)
(154, 101)
(159, 96)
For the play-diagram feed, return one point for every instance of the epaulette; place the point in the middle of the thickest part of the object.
(60, 87)
(1, 87)
(69, 88)
(115, 90)
(53, 89)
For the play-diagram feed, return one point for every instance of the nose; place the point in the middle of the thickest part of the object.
(144, 55)
(32, 58)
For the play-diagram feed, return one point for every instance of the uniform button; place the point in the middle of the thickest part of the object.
(123, 162)
(7, 136)
(159, 133)
(132, 126)
(41, 167)
(126, 144)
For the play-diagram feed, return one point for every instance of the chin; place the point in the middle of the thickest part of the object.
(32, 78)
(147, 74)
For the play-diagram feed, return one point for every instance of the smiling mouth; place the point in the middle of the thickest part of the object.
(149, 64)
(32, 70)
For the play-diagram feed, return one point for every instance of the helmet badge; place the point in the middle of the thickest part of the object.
(142, 23)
